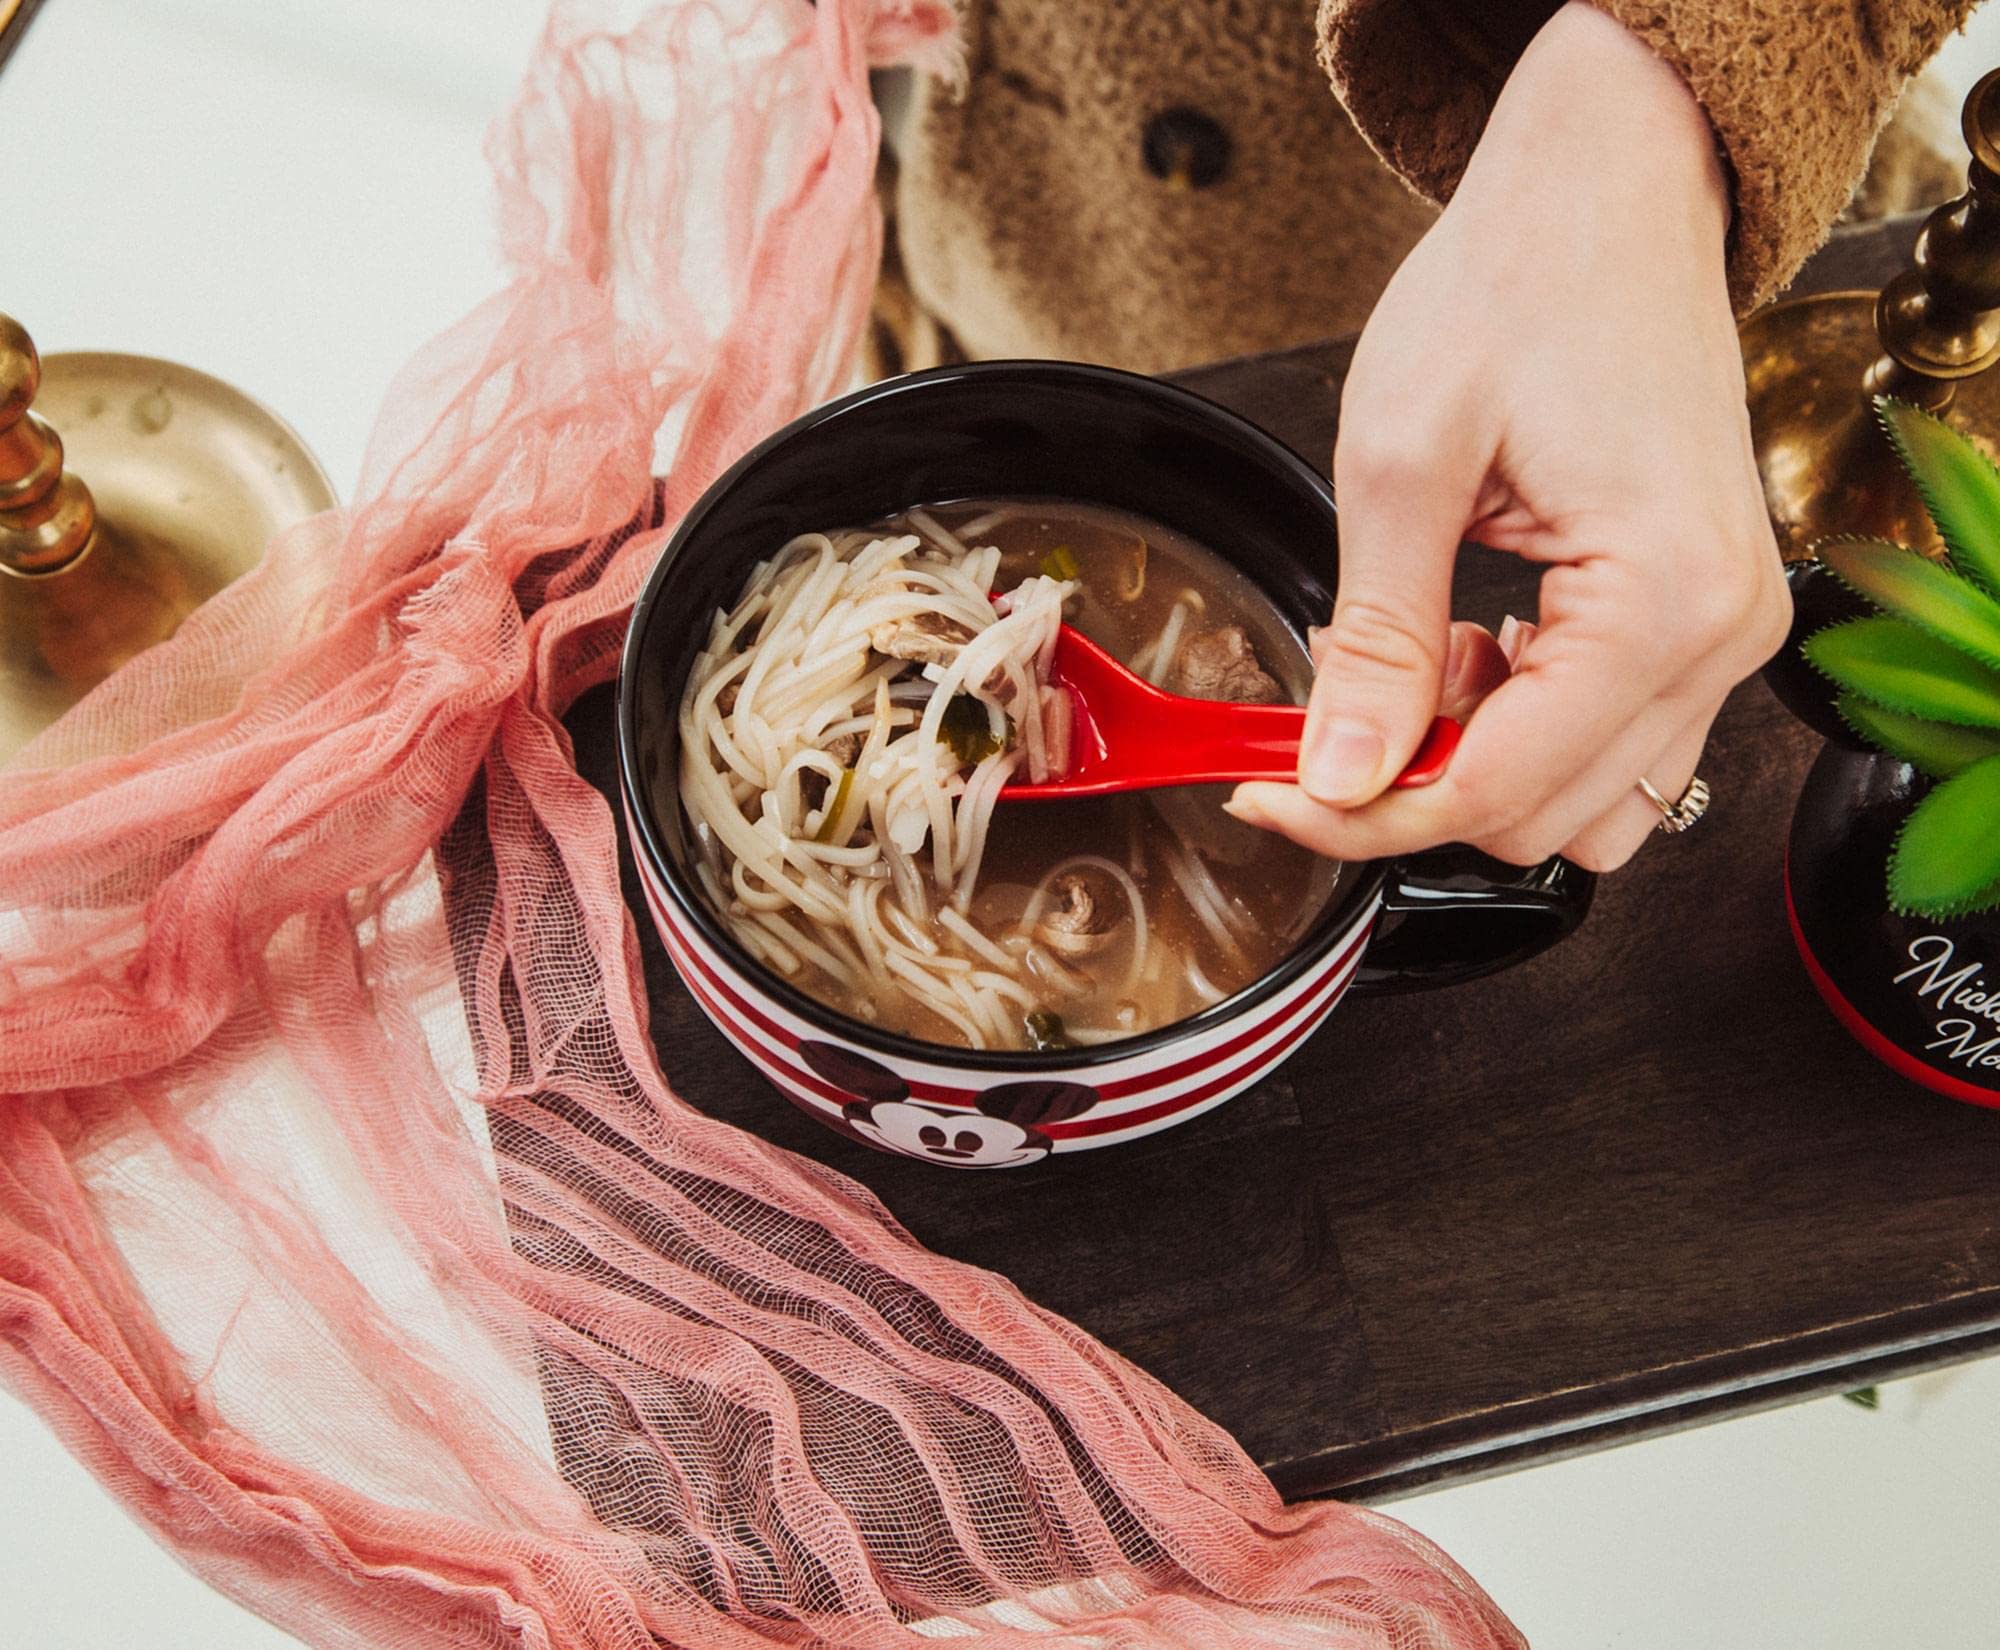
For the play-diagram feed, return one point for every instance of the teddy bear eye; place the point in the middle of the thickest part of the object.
(967, 1141)
(931, 1135)
(1185, 148)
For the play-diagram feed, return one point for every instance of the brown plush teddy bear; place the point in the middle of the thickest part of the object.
(1151, 184)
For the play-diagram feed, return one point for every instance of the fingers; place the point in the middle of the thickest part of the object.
(1515, 635)
(1552, 750)
(1333, 833)
(1381, 660)
(1613, 702)
(1599, 817)
(1475, 664)
(1626, 659)
(1632, 821)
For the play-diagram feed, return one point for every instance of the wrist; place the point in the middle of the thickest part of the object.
(1592, 112)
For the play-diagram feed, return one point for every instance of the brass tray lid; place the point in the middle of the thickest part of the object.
(183, 481)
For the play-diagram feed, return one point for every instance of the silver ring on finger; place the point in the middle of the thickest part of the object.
(1676, 817)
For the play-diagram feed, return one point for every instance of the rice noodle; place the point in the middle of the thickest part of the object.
(1204, 988)
(1196, 887)
(1232, 916)
(975, 941)
(840, 794)
(1061, 979)
(969, 531)
(1154, 660)
(1004, 985)
(938, 533)
(844, 877)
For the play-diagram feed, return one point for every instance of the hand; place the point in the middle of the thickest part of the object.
(1553, 372)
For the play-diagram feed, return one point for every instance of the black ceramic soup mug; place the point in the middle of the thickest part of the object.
(1055, 430)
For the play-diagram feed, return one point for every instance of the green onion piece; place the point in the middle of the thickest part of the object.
(1060, 563)
(830, 820)
(967, 731)
(1046, 1030)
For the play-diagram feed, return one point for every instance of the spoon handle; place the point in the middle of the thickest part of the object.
(1212, 742)
(1434, 750)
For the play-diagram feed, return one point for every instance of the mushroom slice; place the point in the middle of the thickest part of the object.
(1132, 573)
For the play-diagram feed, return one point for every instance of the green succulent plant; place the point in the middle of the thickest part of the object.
(1920, 679)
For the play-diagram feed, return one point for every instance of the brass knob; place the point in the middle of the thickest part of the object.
(1939, 320)
(48, 519)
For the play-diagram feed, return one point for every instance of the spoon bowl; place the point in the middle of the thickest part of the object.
(1128, 735)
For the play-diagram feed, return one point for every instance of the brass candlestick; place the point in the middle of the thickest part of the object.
(1811, 366)
(48, 520)
(188, 479)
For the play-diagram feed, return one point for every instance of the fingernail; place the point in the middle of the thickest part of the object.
(1509, 636)
(1341, 762)
(1457, 666)
(1243, 805)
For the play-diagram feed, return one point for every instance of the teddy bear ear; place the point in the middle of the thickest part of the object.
(1031, 1103)
(854, 1073)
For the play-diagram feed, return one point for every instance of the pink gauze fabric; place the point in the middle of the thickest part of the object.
(409, 1339)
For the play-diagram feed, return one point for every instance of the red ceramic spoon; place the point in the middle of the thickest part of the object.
(1131, 736)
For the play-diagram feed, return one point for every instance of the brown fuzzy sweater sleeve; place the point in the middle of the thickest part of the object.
(1796, 91)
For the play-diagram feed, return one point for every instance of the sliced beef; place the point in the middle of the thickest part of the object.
(1220, 664)
(1079, 922)
(923, 638)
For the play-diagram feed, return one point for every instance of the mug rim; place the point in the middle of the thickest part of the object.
(1358, 887)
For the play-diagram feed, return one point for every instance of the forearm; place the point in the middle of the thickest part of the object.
(1591, 121)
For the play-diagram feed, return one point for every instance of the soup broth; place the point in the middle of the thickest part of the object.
(1062, 924)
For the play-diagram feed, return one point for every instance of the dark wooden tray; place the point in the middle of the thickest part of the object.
(1638, 1182)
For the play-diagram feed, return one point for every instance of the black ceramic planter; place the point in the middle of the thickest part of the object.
(1921, 995)
(1818, 600)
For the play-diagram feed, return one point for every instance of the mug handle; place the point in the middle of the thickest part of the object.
(1453, 914)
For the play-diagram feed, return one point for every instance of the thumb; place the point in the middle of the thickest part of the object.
(1381, 660)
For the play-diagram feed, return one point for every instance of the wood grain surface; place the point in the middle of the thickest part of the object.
(1639, 1181)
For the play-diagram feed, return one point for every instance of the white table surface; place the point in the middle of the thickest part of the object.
(290, 194)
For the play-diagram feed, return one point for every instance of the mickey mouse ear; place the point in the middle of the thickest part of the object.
(1031, 1103)
(855, 1073)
